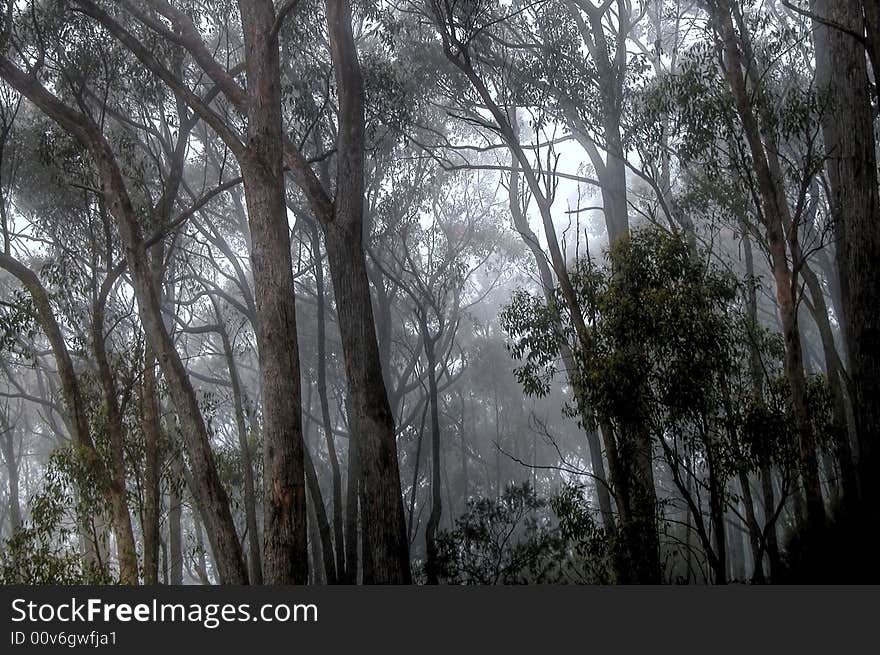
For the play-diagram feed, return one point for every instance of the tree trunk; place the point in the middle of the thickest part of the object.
(152, 468)
(175, 534)
(848, 127)
(753, 527)
(843, 452)
(326, 421)
(7, 443)
(370, 419)
(255, 566)
(319, 514)
(431, 567)
(776, 216)
(716, 513)
(285, 550)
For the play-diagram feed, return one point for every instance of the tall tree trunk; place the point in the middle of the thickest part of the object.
(716, 514)
(833, 374)
(848, 127)
(127, 550)
(754, 528)
(318, 513)
(776, 217)
(175, 533)
(370, 419)
(465, 469)
(285, 538)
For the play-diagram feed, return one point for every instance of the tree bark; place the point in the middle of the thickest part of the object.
(285, 539)
(7, 444)
(848, 128)
(431, 566)
(371, 422)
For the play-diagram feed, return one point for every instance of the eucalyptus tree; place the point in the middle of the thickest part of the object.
(779, 220)
(841, 32)
(436, 264)
(77, 120)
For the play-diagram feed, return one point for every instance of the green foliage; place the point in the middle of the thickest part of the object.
(499, 541)
(667, 351)
(521, 538)
(45, 549)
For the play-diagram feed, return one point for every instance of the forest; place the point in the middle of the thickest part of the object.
(473, 292)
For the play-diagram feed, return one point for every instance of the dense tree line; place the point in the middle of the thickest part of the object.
(462, 291)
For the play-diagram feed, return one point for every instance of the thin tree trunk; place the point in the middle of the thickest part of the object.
(152, 441)
(842, 449)
(175, 535)
(716, 512)
(431, 566)
(327, 424)
(753, 527)
(322, 524)
(255, 567)
(7, 443)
